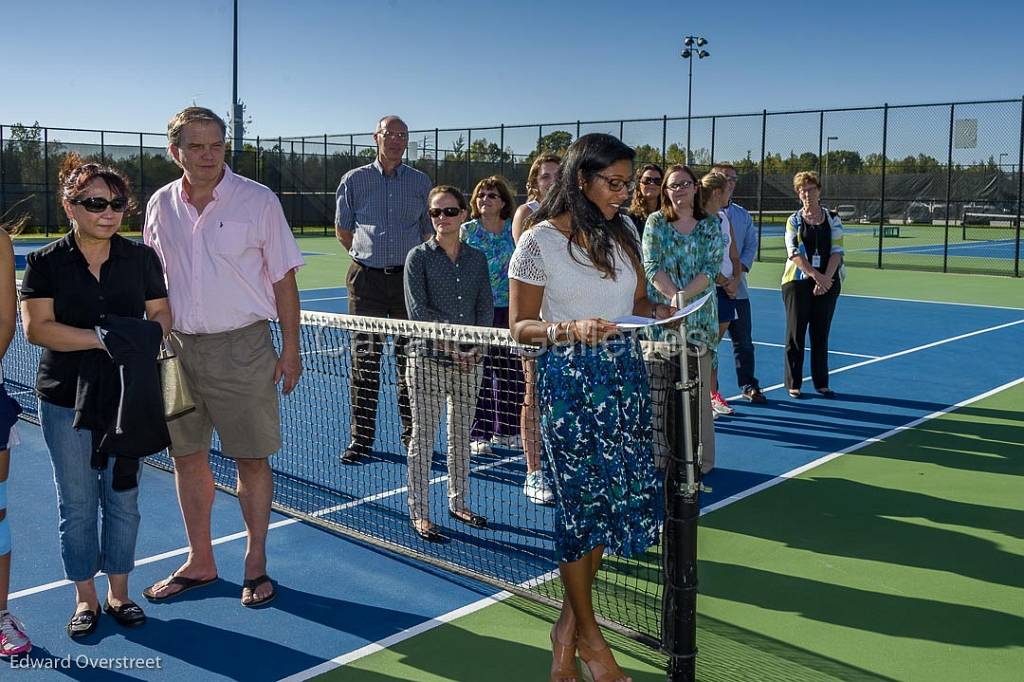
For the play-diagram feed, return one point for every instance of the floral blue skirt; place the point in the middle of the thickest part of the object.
(595, 425)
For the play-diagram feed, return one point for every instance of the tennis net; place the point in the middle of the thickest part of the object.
(370, 500)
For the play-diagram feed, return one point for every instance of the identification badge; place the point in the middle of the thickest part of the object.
(816, 261)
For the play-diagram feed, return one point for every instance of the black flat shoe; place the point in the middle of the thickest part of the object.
(429, 534)
(83, 624)
(469, 518)
(129, 614)
(827, 393)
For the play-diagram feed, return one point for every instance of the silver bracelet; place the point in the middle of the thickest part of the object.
(552, 333)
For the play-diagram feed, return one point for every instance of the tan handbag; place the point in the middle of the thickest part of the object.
(177, 397)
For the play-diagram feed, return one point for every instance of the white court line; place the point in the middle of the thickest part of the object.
(277, 524)
(897, 354)
(501, 596)
(807, 350)
(918, 300)
(327, 298)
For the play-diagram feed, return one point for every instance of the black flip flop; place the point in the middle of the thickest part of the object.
(185, 583)
(252, 584)
(128, 614)
(430, 534)
(470, 519)
(83, 624)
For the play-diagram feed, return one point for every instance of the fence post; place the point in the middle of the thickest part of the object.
(469, 160)
(259, 150)
(352, 147)
(327, 190)
(142, 171)
(885, 150)
(821, 133)
(664, 140)
(1020, 190)
(103, 147)
(280, 167)
(437, 157)
(577, 129)
(501, 152)
(713, 120)
(46, 177)
(760, 184)
(3, 176)
(300, 183)
(949, 189)
(621, 130)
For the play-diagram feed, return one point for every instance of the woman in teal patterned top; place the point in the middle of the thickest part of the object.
(497, 411)
(682, 248)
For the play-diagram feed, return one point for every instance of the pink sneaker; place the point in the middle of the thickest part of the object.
(719, 405)
(13, 640)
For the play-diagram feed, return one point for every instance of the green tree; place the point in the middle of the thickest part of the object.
(645, 153)
(556, 142)
(483, 150)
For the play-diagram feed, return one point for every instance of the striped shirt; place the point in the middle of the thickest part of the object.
(386, 214)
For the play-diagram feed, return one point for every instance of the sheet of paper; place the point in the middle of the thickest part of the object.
(637, 322)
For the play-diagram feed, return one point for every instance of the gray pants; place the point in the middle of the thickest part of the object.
(432, 386)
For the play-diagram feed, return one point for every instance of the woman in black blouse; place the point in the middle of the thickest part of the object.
(69, 289)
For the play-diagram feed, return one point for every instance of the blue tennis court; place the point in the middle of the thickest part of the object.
(893, 362)
(996, 248)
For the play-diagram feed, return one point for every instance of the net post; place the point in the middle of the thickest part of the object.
(682, 512)
(46, 177)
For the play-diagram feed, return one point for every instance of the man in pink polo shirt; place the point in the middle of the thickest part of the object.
(230, 262)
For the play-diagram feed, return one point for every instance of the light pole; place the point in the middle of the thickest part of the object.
(828, 152)
(692, 46)
(237, 125)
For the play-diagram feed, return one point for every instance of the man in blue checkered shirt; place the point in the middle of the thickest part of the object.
(381, 215)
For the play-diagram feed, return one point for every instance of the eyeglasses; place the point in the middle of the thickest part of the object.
(387, 135)
(650, 181)
(615, 184)
(672, 187)
(732, 178)
(99, 204)
(488, 195)
(450, 211)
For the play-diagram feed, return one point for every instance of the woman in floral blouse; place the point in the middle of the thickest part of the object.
(490, 231)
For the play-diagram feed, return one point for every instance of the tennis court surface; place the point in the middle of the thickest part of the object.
(874, 537)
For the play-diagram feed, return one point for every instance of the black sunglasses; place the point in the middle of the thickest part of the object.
(450, 211)
(650, 181)
(99, 204)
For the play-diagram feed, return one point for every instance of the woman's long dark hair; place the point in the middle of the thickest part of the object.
(589, 230)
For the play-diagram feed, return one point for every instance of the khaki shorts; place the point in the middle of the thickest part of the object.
(231, 376)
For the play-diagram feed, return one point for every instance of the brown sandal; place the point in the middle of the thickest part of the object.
(599, 665)
(563, 659)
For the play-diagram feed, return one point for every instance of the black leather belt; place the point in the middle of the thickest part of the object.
(390, 270)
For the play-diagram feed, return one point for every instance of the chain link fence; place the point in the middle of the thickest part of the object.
(934, 187)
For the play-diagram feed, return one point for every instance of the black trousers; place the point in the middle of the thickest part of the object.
(803, 310)
(375, 293)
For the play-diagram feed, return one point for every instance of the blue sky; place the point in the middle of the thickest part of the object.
(315, 66)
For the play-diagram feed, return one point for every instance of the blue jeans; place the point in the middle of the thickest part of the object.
(82, 491)
(743, 345)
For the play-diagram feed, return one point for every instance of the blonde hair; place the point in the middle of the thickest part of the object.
(711, 183)
(192, 115)
(532, 193)
(804, 177)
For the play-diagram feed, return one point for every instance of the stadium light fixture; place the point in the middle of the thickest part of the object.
(688, 54)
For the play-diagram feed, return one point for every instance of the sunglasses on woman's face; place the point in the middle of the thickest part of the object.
(488, 195)
(650, 181)
(450, 211)
(680, 185)
(99, 204)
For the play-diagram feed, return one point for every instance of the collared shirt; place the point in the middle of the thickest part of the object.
(222, 264)
(131, 276)
(439, 290)
(745, 233)
(387, 214)
(498, 248)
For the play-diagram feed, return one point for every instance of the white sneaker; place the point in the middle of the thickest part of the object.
(13, 640)
(719, 405)
(480, 447)
(536, 488)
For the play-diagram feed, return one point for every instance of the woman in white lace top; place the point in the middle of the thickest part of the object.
(574, 270)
